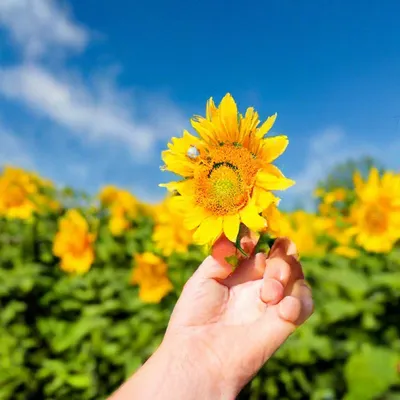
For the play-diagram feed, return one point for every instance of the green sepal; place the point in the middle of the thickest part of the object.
(239, 247)
(232, 260)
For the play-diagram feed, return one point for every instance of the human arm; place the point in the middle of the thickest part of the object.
(225, 326)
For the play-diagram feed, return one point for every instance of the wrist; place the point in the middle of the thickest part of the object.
(189, 371)
(178, 370)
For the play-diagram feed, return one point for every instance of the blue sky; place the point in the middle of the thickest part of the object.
(91, 91)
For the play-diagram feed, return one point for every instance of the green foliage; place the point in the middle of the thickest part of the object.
(350, 347)
(373, 364)
(80, 337)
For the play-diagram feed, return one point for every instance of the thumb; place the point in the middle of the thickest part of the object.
(211, 268)
(218, 266)
(202, 295)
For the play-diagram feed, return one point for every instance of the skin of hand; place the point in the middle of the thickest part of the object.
(225, 325)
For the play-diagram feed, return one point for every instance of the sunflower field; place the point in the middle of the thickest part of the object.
(88, 283)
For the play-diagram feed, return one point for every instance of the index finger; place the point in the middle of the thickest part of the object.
(224, 249)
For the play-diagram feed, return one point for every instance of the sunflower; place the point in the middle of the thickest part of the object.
(168, 234)
(73, 243)
(151, 274)
(304, 229)
(18, 190)
(375, 216)
(227, 172)
(123, 208)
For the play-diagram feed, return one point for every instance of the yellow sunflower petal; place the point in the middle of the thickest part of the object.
(177, 160)
(358, 182)
(185, 187)
(248, 124)
(229, 117)
(373, 178)
(352, 231)
(273, 147)
(181, 145)
(347, 252)
(250, 217)
(177, 163)
(271, 178)
(264, 198)
(371, 189)
(204, 128)
(208, 231)
(231, 226)
(194, 217)
(155, 293)
(179, 204)
(211, 109)
(278, 223)
(266, 126)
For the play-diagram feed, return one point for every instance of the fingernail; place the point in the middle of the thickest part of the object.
(260, 261)
(292, 249)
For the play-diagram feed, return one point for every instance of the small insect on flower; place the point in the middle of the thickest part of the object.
(227, 173)
(193, 152)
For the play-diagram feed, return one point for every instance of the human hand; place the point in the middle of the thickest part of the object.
(233, 322)
(225, 325)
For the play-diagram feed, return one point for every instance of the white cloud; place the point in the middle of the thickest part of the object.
(12, 150)
(150, 196)
(41, 26)
(326, 141)
(79, 171)
(325, 150)
(92, 106)
(94, 110)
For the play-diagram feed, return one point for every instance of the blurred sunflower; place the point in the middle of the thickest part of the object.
(22, 193)
(345, 250)
(73, 243)
(305, 229)
(227, 172)
(336, 195)
(169, 236)
(123, 208)
(17, 189)
(150, 273)
(375, 216)
(331, 203)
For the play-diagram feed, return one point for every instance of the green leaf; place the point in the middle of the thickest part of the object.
(79, 381)
(370, 372)
(338, 309)
(131, 365)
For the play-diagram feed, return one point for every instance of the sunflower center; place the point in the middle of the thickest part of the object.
(375, 220)
(16, 197)
(225, 178)
(225, 184)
